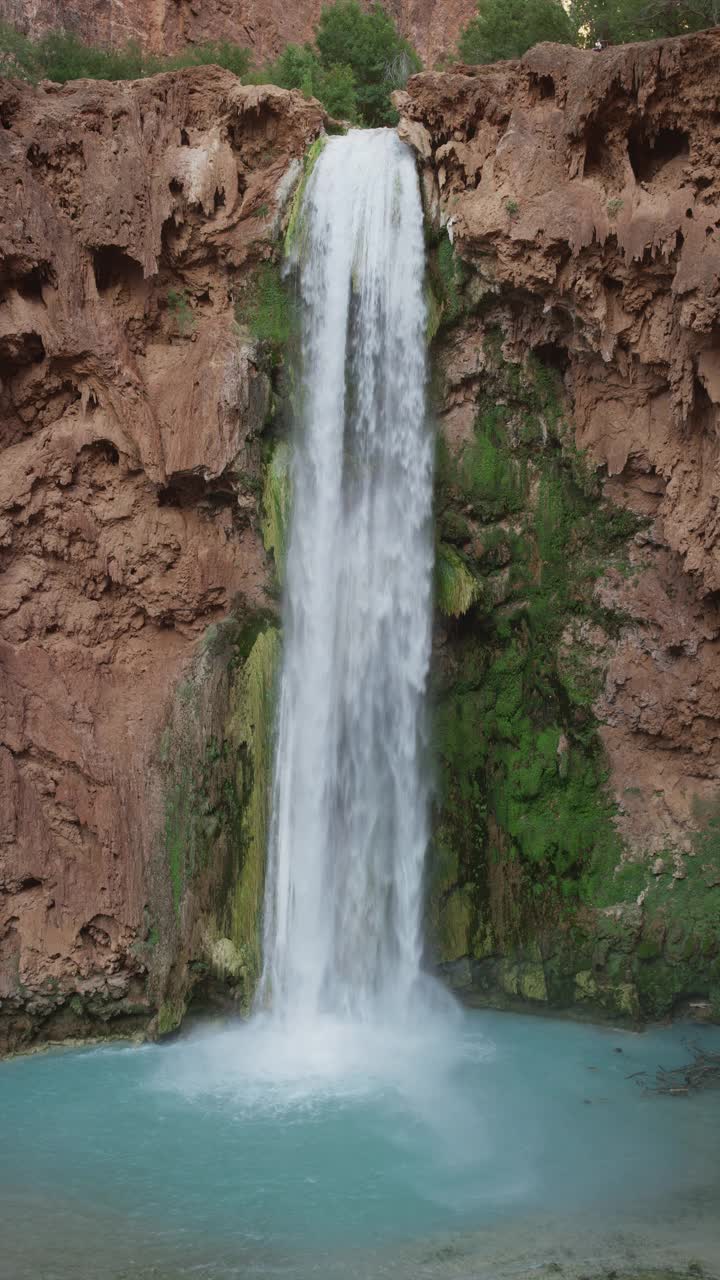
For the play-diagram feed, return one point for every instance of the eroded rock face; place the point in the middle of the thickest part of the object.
(265, 26)
(584, 192)
(132, 217)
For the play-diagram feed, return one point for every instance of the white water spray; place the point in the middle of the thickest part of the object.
(350, 806)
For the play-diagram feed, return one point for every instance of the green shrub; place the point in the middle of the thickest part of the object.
(63, 56)
(178, 302)
(507, 28)
(267, 310)
(370, 45)
(300, 67)
(618, 21)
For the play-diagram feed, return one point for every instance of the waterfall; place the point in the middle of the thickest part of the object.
(349, 821)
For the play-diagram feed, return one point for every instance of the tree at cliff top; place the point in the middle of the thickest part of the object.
(299, 67)
(507, 28)
(370, 44)
(358, 59)
(619, 21)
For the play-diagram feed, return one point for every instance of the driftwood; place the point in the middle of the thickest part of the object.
(678, 1082)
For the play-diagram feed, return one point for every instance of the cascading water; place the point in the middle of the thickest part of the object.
(349, 805)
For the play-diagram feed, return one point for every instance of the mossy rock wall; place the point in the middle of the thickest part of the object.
(216, 756)
(532, 897)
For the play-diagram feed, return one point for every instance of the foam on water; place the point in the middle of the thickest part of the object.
(343, 1149)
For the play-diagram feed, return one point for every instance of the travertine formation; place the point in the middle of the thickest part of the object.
(265, 26)
(584, 190)
(132, 215)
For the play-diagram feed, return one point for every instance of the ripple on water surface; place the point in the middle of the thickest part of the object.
(477, 1145)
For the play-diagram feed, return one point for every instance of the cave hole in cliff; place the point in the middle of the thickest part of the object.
(600, 158)
(112, 266)
(702, 417)
(542, 88)
(17, 350)
(184, 139)
(219, 198)
(29, 284)
(29, 882)
(649, 155)
(104, 450)
(193, 490)
(9, 108)
(553, 356)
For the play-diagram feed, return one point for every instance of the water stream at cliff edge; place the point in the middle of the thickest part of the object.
(349, 813)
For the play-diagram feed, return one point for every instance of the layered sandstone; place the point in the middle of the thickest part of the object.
(130, 401)
(584, 191)
(264, 26)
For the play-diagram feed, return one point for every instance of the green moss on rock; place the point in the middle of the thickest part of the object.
(523, 815)
(251, 735)
(457, 588)
(296, 227)
(277, 495)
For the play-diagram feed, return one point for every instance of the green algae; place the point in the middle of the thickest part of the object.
(523, 807)
(447, 277)
(216, 760)
(296, 226)
(277, 493)
(456, 587)
(170, 1016)
(267, 309)
(251, 734)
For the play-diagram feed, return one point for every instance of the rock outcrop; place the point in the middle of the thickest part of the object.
(134, 220)
(581, 192)
(265, 26)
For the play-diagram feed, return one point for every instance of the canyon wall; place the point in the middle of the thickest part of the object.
(579, 351)
(265, 26)
(573, 287)
(138, 223)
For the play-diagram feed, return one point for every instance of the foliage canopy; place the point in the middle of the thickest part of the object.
(507, 28)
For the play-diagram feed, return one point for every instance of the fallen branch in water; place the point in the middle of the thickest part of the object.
(704, 1070)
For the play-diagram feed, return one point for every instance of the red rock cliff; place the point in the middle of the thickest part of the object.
(131, 214)
(584, 190)
(582, 196)
(265, 26)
